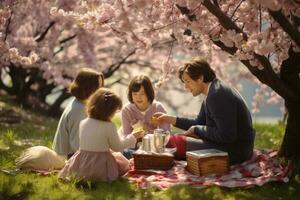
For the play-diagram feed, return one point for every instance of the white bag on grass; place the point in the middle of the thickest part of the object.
(40, 158)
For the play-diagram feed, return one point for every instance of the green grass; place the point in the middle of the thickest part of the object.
(268, 135)
(35, 129)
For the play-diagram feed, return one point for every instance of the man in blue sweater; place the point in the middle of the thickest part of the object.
(224, 121)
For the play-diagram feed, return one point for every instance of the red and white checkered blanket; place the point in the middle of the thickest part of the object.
(262, 168)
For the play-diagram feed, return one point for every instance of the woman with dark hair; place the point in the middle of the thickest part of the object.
(137, 115)
(66, 140)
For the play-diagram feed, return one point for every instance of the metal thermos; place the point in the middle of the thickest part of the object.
(146, 145)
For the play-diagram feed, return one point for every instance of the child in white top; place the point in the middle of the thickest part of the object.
(97, 137)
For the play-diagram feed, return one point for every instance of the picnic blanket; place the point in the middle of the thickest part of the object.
(262, 168)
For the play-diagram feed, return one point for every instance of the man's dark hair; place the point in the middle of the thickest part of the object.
(135, 85)
(196, 68)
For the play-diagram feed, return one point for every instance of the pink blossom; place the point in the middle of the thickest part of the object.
(271, 4)
(168, 2)
(13, 52)
(241, 55)
(141, 3)
(25, 61)
(274, 98)
(264, 48)
(53, 10)
(34, 57)
(106, 31)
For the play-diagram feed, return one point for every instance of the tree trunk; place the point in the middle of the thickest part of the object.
(54, 109)
(290, 146)
(290, 73)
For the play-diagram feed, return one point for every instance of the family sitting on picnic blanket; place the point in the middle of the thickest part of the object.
(90, 141)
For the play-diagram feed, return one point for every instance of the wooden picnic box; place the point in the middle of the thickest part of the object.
(152, 161)
(207, 161)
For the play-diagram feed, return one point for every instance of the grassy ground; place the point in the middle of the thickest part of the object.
(33, 129)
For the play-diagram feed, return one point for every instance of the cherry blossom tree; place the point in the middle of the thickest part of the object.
(262, 35)
(41, 52)
(265, 37)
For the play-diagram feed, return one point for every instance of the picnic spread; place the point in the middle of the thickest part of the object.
(262, 168)
(157, 167)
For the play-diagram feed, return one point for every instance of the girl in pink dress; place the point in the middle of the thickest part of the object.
(98, 138)
(140, 109)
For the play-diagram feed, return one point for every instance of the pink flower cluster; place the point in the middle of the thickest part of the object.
(105, 31)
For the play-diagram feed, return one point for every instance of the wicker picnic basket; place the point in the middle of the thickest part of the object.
(205, 162)
(153, 161)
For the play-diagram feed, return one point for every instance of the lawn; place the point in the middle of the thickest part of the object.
(28, 128)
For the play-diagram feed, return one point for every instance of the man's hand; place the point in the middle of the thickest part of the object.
(191, 132)
(164, 118)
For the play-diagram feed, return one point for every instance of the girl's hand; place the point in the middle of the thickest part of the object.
(138, 134)
(146, 128)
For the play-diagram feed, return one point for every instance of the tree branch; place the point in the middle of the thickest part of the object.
(185, 11)
(42, 36)
(67, 39)
(7, 27)
(236, 8)
(231, 50)
(114, 67)
(224, 20)
(260, 18)
(54, 109)
(119, 80)
(61, 48)
(267, 75)
(270, 77)
(292, 31)
(216, 3)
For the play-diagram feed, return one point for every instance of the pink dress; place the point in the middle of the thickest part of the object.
(97, 158)
(95, 166)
